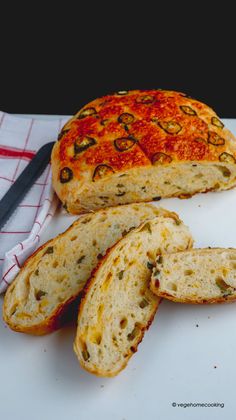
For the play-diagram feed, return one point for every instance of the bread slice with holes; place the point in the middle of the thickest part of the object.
(118, 305)
(52, 278)
(196, 276)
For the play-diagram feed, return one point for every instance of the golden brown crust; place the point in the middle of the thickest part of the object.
(141, 128)
(197, 301)
(63, 314)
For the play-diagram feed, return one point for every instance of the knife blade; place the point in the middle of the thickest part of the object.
(24, 182)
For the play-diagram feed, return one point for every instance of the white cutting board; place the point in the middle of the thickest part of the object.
(187, 356)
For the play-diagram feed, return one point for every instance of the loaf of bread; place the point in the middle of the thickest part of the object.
(196, 276)
(118, 305)
(52, 278)
(141, 146)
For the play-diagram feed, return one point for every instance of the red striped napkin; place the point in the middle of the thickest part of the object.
(20, 138)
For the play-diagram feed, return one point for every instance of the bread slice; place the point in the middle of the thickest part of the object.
(118, 305)
(196, 276)
(54, 275)
(140, 146)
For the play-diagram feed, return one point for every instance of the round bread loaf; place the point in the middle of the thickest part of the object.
(141, 146)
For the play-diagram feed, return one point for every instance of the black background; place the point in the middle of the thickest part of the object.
(53, 62)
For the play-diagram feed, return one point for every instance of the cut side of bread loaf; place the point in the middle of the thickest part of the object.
(196, 276)
(118, 305)
(54, 275)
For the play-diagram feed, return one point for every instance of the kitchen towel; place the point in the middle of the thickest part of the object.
(20, 139)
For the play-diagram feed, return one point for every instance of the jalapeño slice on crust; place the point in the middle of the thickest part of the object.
(215, 139)
(87, 112)
(188, 110)
(227, 158)
(126, 118)
(124, 143)
(83, 143)
(66, 175)
(170, 127)
(215, 121)
(160, 158)
(101, 171)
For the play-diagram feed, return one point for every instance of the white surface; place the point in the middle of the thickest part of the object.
(41, 378)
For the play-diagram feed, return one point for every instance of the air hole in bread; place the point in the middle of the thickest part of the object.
(233, 265)
(86, 220)
(96, 338)
(100, 311)
(116, 260)
(121, 274)
(197, 176)
(73, 238)
(60, 278)
(39, 294)
(143, 303)
(131, 336)
(188, 272)
(114, 340)
(79, 261)
(225, 171)
(85, 354)
(135, 332)
(123, 323)
(172, 286)
(106, 282)
(131, 263)
(55, 264)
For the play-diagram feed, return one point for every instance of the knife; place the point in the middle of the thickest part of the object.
(24, 182)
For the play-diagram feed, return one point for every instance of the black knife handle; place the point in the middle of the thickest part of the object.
(24, 182)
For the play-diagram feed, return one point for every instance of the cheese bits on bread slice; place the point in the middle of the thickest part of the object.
(118, 306)
(141, 146)
(53, 277)
(196, 276)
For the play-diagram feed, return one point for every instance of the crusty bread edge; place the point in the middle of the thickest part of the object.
(197, 301)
